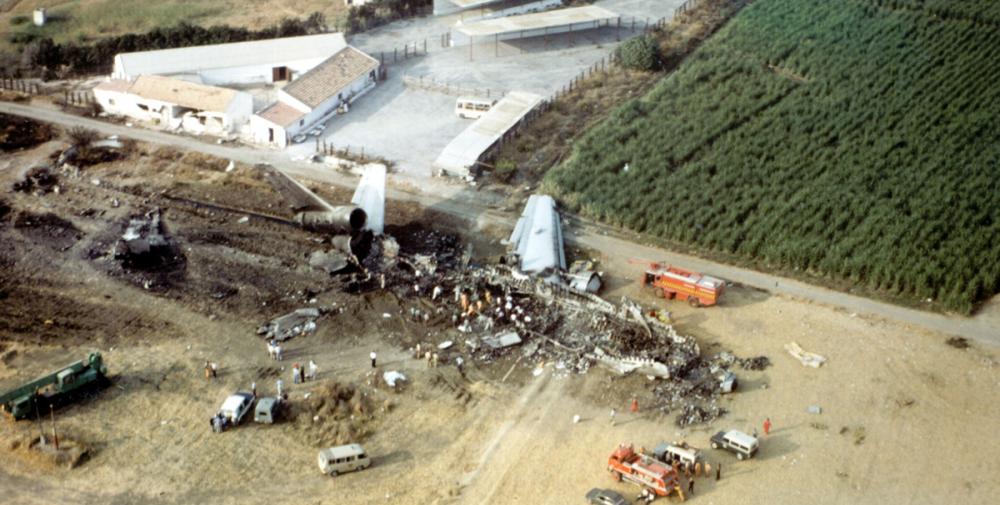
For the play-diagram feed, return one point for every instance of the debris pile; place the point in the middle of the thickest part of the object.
(144, 252)
(500, 312)
(39, 180)
(298, 322)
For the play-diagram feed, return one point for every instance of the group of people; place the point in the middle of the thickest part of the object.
(274, 350)
(301, 374)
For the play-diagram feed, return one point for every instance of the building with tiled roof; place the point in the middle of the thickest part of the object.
(174, 103)
(315, 96)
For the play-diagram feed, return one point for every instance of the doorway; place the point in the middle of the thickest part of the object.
(279, 74)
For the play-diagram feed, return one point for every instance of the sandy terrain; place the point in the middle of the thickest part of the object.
(906, 418)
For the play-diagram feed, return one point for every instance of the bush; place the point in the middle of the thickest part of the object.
(640, 53)
(504, 170)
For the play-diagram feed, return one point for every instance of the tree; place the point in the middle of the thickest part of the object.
(640, 53)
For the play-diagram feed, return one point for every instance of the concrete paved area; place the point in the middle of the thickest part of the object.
(410, 126)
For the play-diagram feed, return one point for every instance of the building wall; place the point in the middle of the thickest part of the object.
(172, 116)
(239, 111)
(259, 126)
(259, 133)
(254, 74)
(348, 94)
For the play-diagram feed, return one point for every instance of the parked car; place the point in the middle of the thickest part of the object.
(739, 443)
(343, 458)
(267, 410)
(235, 408)
(605, 497)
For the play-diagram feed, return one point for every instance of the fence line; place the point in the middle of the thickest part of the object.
(79, 98)
(433, 85)
(19, 86)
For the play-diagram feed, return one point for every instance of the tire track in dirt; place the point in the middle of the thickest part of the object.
(511, 438)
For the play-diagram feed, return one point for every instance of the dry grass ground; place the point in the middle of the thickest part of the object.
(87, 20)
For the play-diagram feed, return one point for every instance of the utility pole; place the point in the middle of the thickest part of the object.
(55, 436)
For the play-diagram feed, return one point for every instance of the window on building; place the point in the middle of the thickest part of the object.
(302, 122)
(111, 101)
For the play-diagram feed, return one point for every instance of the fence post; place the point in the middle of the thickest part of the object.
(425, 45)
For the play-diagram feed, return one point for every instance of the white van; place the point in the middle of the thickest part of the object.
(473, 108)
(683, 454)
(743, 445)
(343, 458)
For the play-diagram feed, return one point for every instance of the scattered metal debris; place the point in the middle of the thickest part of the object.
(807, 358)
(38, 180)
(756, 363)
(393, 377)
(145, 244)
(299, 322)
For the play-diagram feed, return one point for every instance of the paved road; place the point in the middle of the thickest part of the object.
(461, 201)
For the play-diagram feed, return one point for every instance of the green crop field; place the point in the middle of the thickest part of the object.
(850, 140)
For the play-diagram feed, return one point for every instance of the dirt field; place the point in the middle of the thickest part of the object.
(905, 417)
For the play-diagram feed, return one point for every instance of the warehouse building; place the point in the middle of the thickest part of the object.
(176, 104)
(253, 62)
(315, 96)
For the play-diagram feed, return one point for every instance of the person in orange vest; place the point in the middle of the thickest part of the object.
(767, 426)
(635, 406)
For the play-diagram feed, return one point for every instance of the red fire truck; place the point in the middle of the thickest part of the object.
(670, 281)
(654, 477)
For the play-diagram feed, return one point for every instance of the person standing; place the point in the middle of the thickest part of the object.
(280, 386)
(215, 369)
(691, 487)
(253, 389)
(613, 413)
(635, 405)
(718, 471)
(313, 370)
(208, 371)
(767, 426)
(372, 356)
(295, 374)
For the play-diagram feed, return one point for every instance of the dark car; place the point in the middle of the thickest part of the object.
(605, 497)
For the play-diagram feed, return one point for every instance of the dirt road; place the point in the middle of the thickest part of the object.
(480, 207)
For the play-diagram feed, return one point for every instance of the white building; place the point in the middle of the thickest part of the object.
(173, 103)
(314, 96)
(253, 62)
